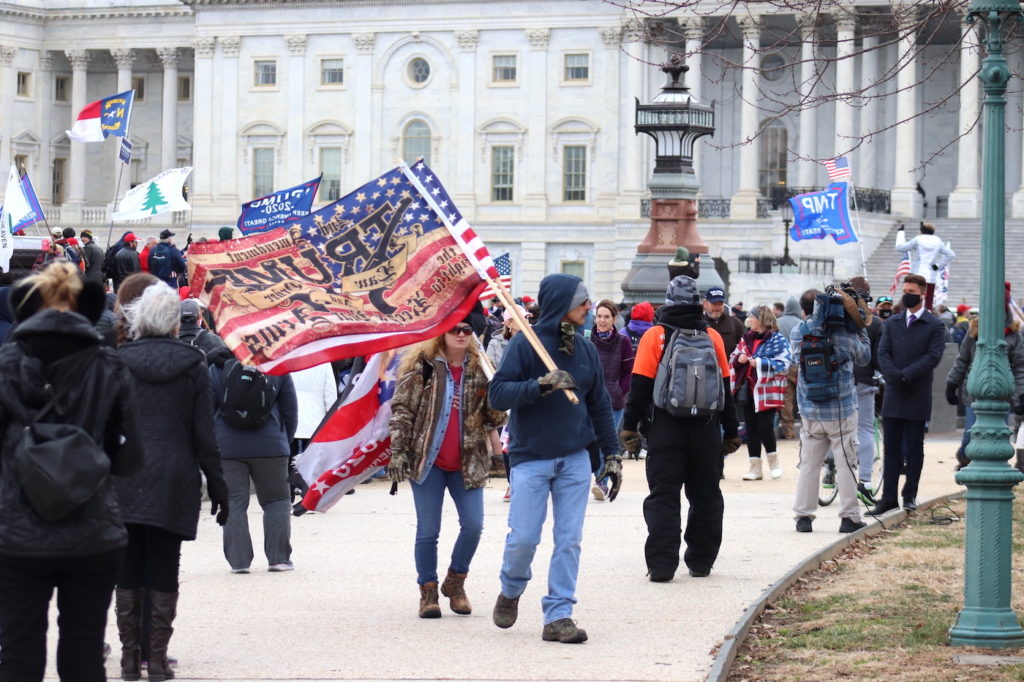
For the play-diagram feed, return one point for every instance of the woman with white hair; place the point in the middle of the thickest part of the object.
(161, 504)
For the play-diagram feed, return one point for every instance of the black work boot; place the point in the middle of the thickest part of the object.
(128, 608)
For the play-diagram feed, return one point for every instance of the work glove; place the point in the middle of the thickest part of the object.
(631, 442)
(1020, 405)
(556, 380)
(611, 469)
(935, 267)
(730, 444)
(218, 492)
(398, 469)
(951, 397)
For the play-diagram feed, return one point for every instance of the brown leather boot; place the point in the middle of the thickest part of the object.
(163, 609)
(128, 608)
(429, 608)
(454, 587)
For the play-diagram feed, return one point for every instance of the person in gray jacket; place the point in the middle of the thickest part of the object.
(260, 455)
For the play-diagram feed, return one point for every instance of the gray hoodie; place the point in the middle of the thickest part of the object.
(790, 316)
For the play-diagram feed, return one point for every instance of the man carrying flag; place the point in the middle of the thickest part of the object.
(104, 117)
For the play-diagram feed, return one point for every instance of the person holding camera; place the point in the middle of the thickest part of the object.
(826, 347)
(911, 346)
(928, 255)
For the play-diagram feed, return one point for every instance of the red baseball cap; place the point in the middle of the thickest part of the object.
(130, 237)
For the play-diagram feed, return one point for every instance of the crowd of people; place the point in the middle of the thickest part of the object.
(683, 382)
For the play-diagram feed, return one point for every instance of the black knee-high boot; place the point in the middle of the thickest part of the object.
(164, 607)
(128, 607)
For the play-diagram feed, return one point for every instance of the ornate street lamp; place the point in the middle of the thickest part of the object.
(786, 211)
(987, 619)
(675, 121)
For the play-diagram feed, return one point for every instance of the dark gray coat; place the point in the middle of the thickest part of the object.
(962, 365)
(172, 387)
(907, 357)
(101, 401)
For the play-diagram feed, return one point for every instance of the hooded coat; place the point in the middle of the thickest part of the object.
(100, 401)
(172, 387)
(549, 426)
(962, 365)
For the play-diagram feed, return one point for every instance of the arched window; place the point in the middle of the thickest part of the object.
(772, 156)
(416, 141)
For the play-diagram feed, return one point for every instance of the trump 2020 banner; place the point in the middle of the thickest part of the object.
(376, 270)
(274, 210)
(817, 215)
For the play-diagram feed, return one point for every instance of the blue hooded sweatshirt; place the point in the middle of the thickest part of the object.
(550, 426)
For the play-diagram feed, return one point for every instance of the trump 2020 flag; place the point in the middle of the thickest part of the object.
(375, 270)
(273, 210)
(157, 195)
(104, 117)
(817, 215)
(352, 443)
(21, 207)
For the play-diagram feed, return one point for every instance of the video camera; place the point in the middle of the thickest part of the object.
(843, 306)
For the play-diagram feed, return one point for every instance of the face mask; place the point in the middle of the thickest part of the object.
(911, 300)
(588, 322)
(885, 314)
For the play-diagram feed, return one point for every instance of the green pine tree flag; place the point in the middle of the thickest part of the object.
(154, 198)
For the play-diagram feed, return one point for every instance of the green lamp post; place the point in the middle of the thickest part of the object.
(987, 619)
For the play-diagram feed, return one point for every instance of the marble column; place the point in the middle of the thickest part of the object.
(7, 89)
(965, 199)
(42, 172)
(844, 138)
(169, 119)
(294, 172)
(807, 171)
(904, 198)
(201, 182)
(228, 185)
(744, 201)
(79, 60)
(632, 149)
(124, 58)
(867, 163)
(693, 30)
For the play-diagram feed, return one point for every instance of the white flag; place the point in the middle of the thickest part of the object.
(159, 195)
(14, 210)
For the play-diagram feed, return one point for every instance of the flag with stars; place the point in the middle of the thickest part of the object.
(503, 265)
(378, 269)
(352, 443)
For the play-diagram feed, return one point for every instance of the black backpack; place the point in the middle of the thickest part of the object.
(109, 262)
(818, 366)
(159, 261)
(248, 396)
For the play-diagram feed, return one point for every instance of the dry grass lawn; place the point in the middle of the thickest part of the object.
(880, 611)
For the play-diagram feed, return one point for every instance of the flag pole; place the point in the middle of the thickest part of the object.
(117, 191)
(860, 242)
(495, 282)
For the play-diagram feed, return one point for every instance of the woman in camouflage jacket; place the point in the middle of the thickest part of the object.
(439, 432)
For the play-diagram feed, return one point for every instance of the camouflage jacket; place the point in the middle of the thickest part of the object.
(416, 409)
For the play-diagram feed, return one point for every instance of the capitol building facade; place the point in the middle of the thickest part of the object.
(525, 110)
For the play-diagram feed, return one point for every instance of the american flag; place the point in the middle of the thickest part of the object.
(902, 270)
(503, 264)
(838, 168)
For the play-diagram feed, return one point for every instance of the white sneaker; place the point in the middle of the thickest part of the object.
(280, 568)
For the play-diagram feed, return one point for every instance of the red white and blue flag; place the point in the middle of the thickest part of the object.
(838, 169)
(902, 270)
(352, 443)
(503, 264)
(104, 117)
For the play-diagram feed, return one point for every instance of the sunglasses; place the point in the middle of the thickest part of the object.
(461, 331)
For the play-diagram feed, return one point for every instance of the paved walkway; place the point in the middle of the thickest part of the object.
(348, 611)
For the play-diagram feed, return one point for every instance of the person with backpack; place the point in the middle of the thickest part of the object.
(57, 371)
(684, 430)
(192, 332)
(71, 247)
(826, 349)
(161, 504)
(109, 256)
(760, 367)
(256, 415)
(92, 257)
(165, 262)
(641, 318)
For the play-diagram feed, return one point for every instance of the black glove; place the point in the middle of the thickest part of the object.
(730, 445)
(218, 492)
(611, 469)
(935, 267)
(631, 442)
(398, 468)
(555, 380)
(951, 397)
(1020, 405)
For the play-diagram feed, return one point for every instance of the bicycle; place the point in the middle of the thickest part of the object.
(868, 495)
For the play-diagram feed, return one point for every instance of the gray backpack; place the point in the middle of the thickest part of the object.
(688, 382)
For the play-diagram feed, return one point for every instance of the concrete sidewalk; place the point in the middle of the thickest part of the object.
(348, 611)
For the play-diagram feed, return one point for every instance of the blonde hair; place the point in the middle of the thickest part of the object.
(766, 318)
(155, 313)
(430, 349)
(58, 285)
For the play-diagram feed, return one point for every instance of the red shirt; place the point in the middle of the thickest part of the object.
(449, 457)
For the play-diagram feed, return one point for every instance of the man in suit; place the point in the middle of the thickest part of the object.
(911, 346)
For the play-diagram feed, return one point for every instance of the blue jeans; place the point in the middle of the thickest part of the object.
(866, 430)
(429, 498)
(567, 480)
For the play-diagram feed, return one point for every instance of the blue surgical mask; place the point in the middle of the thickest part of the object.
(588, 323)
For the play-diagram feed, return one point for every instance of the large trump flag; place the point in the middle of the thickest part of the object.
(390, 264)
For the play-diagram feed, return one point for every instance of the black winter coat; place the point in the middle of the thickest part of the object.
(100, 400)
(172, 387)
(907, 357)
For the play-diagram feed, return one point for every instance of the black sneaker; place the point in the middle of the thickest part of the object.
(848, 525)
(563, 630)
(910, 504)
(660, 576)
(506, 611)
(803, 524)
(700, 572)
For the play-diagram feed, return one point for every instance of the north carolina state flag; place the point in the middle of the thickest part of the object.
(104, 117)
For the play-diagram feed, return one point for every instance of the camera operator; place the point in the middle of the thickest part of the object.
(826, 346)
(867, 387)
